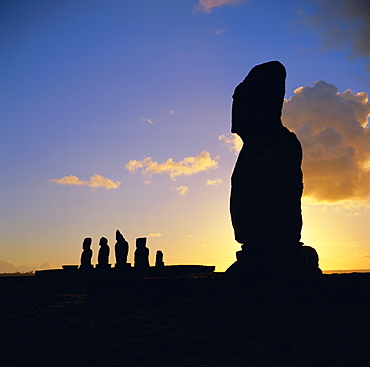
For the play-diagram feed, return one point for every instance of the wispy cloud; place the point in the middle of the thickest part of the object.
(69, 180)
(220, 31)
(187, 166)
(215, 182)
(206, 6)
(94, 182)
(154, 234)
(182, 190)
(145, 119)
(333, 131)
(232, 141)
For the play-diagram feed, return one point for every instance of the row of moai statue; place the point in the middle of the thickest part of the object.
(141, 255)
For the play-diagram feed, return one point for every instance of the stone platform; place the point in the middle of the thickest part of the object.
(128, 272)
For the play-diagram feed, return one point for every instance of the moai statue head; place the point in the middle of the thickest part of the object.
(103, 254)
(119, 237)
(252, 116)
(86, 244)
(86, 254)
(141, 255)
(121, 250)
(159, 259)
(141, 242)
(103, 242)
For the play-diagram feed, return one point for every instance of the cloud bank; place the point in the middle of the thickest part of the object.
(94, 182)
(332, 128)
(206, 6)
(187, 166)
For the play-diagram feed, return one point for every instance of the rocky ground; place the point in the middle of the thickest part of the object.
(186, 322)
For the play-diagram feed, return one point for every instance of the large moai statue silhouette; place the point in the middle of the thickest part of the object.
(141, 256)
(121, 250)
(86, 255)
(266, 185)
(103, 254)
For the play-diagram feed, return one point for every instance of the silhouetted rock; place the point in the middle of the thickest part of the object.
(103, 255)
(121, 250)
(141, 256)
(159, 259)
(266, 185)
(86, 255)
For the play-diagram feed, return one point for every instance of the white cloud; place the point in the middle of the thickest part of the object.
(232, 141)
(220, 31)
(182, 190)
(215, 182)
(94, 182)
(333, 131)
(154, 234)
(100, 181)
(206, 6)
(69, 180)
(145, 119)
(187, 166)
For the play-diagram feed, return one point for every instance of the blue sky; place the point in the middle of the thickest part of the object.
(88, 86)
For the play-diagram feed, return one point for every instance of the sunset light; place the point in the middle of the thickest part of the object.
(117, 115)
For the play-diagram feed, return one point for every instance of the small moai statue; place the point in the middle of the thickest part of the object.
(86, 255)
(159, 259)
(121, 250)
(141, 255)
(103, 255)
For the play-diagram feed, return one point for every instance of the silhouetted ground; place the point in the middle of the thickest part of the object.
(185, 322)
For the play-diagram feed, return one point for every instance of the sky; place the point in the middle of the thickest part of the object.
(115, 114)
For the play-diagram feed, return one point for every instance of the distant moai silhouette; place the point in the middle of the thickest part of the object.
(86, 255)
(266, 185)
(141, 256)
(103, 255)
(121, 250)
(159, 263)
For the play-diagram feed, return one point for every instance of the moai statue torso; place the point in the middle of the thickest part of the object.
(159, 259)
(103, 255)
(121, 249)
(86, 255)
(141, 254)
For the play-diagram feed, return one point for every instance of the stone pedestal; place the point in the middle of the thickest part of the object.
(103, 266)
(256, 262)
(86, 267)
